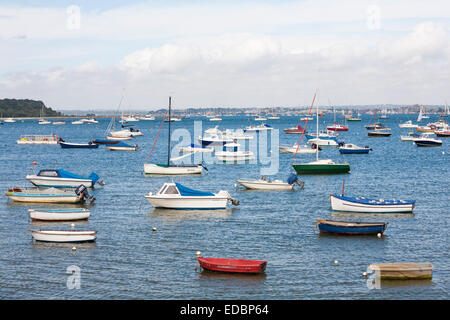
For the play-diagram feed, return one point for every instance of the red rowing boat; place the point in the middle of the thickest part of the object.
(233, 265)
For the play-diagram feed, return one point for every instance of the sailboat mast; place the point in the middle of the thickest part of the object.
(317, 133)
(168, 150)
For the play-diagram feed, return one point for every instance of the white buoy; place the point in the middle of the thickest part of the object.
(364, 274)
(74, 249)
(198, 253)
(154, 229)
(379, 235)
(336, 262)
(72, 225)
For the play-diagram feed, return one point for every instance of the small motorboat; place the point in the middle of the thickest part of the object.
(59, 214)
(428, 128)
(260, 118)
(403, 270)
(126, 132)
(64, 235)
(375, 126)
(195, 148)
(367, 205)
(43, 121)
(408, 124)
(306, 119)
(59, 178)
(386, 132)
(264, 184)
(298, 129)
(118, 138)
(261, 127)
(77, 122)
(49, 195)
(301, 150)
(234, 155)
(176, 196)
(337, 127)
(410, 137)
(351, 228)
(427, 140)
(232, 265)
(105, 141)
(349, 148)
(214, 140)
(321, 142)
(71, 145)
(59, 122)
(122, 146)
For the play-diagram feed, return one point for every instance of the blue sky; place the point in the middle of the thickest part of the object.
(225, 53)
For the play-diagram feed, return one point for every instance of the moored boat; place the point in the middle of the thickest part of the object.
(122, 146)
(234, 155)
(403, 270)
(64, 235)
(408, 124)
(350, 148)
(264, 184)
(59, 214)
(48, 195)
(195, 148)
(59, 178)
(367, 205)
(379, 133)
(350, 228)
(176, 196)
(233, 265)
(259, 128)
(71, 145)
(298, 129)
(426, 139)
(38, 139)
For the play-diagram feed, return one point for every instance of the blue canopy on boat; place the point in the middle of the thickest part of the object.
(66, 174)
(185, 191)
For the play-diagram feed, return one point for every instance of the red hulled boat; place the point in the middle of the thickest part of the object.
(337, 127)
(232, 265)
(295, 130)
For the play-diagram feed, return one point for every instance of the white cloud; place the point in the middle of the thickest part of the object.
(247, 54)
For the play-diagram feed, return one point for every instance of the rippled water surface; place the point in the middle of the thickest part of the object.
(130, 261)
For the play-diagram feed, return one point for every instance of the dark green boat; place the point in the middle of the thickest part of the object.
(321, 167)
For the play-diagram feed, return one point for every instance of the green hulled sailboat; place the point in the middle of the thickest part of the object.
(325, 166)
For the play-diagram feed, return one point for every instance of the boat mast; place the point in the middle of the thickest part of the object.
(317, 132)
(168, 150)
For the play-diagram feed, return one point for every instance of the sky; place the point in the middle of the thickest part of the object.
(87, 55)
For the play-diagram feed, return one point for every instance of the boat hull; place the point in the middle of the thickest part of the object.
(59, 215)
(233, 265)
(428, 143)
(159, 169)
(64, 236)
(184, 203)
(306, 168)
(65, 145)
(58, 182)
(354, 151)
(339, 203)
(260, 185)
(403, 270)
(350, 228)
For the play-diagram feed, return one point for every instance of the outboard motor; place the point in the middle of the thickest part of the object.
(83, 193)
(293, 178)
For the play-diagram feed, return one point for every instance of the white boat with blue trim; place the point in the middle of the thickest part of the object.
(59, 178)
(49, 195)
(176, 196)
(362, 204)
